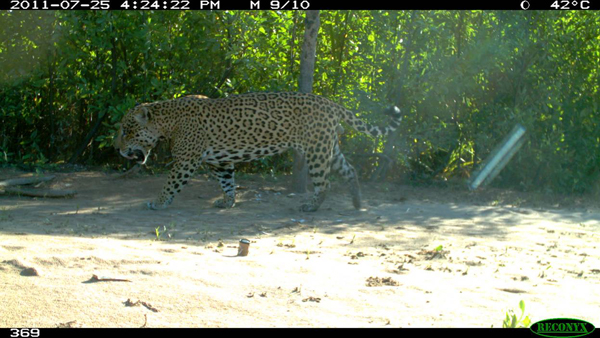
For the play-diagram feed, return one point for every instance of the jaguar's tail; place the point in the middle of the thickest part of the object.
(375, 131)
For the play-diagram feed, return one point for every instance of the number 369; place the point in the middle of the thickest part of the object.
(25, 333)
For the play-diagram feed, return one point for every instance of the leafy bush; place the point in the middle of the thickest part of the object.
(462, 79)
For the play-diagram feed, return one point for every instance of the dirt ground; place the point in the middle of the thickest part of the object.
(413, 257)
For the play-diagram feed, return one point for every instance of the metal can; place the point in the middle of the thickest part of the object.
(243, 248)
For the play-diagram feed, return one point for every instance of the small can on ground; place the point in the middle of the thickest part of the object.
(243, 248)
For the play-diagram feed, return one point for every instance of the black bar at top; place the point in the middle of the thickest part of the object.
(516, 5)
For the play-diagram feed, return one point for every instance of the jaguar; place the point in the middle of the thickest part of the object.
(239, 128)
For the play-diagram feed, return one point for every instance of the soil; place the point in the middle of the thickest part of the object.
(412, 257)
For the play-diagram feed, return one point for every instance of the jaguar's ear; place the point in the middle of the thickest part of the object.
(142, 116)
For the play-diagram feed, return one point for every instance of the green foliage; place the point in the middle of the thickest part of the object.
(512, 322)
(463, 79)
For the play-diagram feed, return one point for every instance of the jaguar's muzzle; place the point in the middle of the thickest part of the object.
(136, 155)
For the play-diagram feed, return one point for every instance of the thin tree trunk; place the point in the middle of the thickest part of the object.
(305, 84)
(50, 103)
(309, 51)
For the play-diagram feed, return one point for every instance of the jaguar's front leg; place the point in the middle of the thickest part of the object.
(224, 173)
(179, 176)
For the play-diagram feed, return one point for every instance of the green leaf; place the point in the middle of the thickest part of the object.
(513, 322)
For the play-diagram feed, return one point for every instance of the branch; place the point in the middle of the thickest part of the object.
(40, 192)
(25, 181)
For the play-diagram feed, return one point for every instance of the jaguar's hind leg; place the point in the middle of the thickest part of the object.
(224, 172)
(318, 169)
(340, 165)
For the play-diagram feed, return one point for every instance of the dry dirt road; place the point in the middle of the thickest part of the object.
(413, 257)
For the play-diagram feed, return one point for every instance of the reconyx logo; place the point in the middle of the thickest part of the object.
(562, 327)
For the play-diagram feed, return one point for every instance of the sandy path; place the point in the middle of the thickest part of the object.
(334, 268)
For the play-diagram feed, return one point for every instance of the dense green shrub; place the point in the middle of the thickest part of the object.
(462, 78)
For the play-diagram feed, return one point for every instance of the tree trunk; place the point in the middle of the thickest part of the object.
(305, 84)
(309, 51)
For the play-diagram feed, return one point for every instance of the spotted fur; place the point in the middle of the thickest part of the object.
(241, 128)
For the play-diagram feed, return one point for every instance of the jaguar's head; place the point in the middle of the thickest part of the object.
(137, 134)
